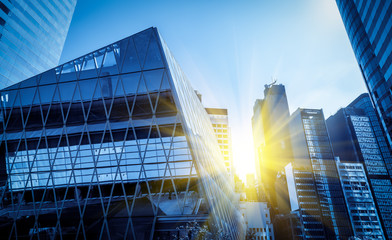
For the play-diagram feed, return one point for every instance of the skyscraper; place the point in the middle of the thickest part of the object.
(354, 141)
(32, 36)
(271, 138)
(362, 210)
(363, 102)
(316, 186)
(220, 123)
(369, 28)
(114, 144)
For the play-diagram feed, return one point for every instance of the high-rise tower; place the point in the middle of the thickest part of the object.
(369, 28)
(271, 138)
(32, 36)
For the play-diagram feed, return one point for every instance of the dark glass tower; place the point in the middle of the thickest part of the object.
(316, 189)
(363, 102)
(32, 36)
(112, 145)
(271, 138)
(353, 140)
(369, 28)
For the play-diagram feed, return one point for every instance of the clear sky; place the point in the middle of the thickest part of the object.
(230, 49)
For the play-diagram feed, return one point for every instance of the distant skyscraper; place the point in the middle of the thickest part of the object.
(220, 123)
(359, 200)
(316, 182)
(369, 28)
(111, 145)
(353, 140)
(363, 102)
(271, 138)
(32, 36)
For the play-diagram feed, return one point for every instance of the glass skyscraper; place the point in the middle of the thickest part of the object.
(354, 141)
(317, 185)
(32, 35)
(369, 28)
(270, 137)
(114, 144)
(362, 210)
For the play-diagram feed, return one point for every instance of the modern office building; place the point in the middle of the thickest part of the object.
(313, 182)
(258, 219)
(271, 139)
(114, 144)
(32, 35)
(353, 140)
(220, 123)
(359, 200)
(369, 28)
(363, 102)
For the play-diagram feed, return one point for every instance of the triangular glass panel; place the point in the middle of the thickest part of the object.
(67, 91)
(165, 82)
(109, 65)
(153, 58)
(48, 77)
(97, 109)
(131, 62)
(87, 87)
(68, 73)
(88, 67)
(120, 49)
(55, 115)
(31, 82)
(131, 82)
(141, 41)
(142, 89)
(108, 84)
(46, 93)
(153, 79)
(99, 57)
(28, 96)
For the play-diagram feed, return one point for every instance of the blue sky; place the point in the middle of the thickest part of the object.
(230, 49)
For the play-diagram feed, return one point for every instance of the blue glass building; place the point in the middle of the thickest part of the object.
(114, 144)
(32, 36)
(369, 28)
(315, 186)
(354, 141)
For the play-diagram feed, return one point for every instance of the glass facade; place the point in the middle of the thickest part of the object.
(354, 140)
(114, 144)
(273, 148)
(363, 102)
(32, 36)
(359, 200)
(315, 165)
(369, 28)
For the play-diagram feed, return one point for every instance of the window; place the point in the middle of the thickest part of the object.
(2, 21)
(4, 8)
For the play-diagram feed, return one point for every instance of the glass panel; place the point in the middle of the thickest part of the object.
(46, 93)
(87, 88)
(120, 49)
(67, 91)
(68, 72)
(153, 79)
(131, 62)
(31, 82)
(48, 77)
(130, 83)
(28, 96)
(153, 58)
(88, 67)
(107, 85)
(165, 82)
(141, 43)
(109, 65)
